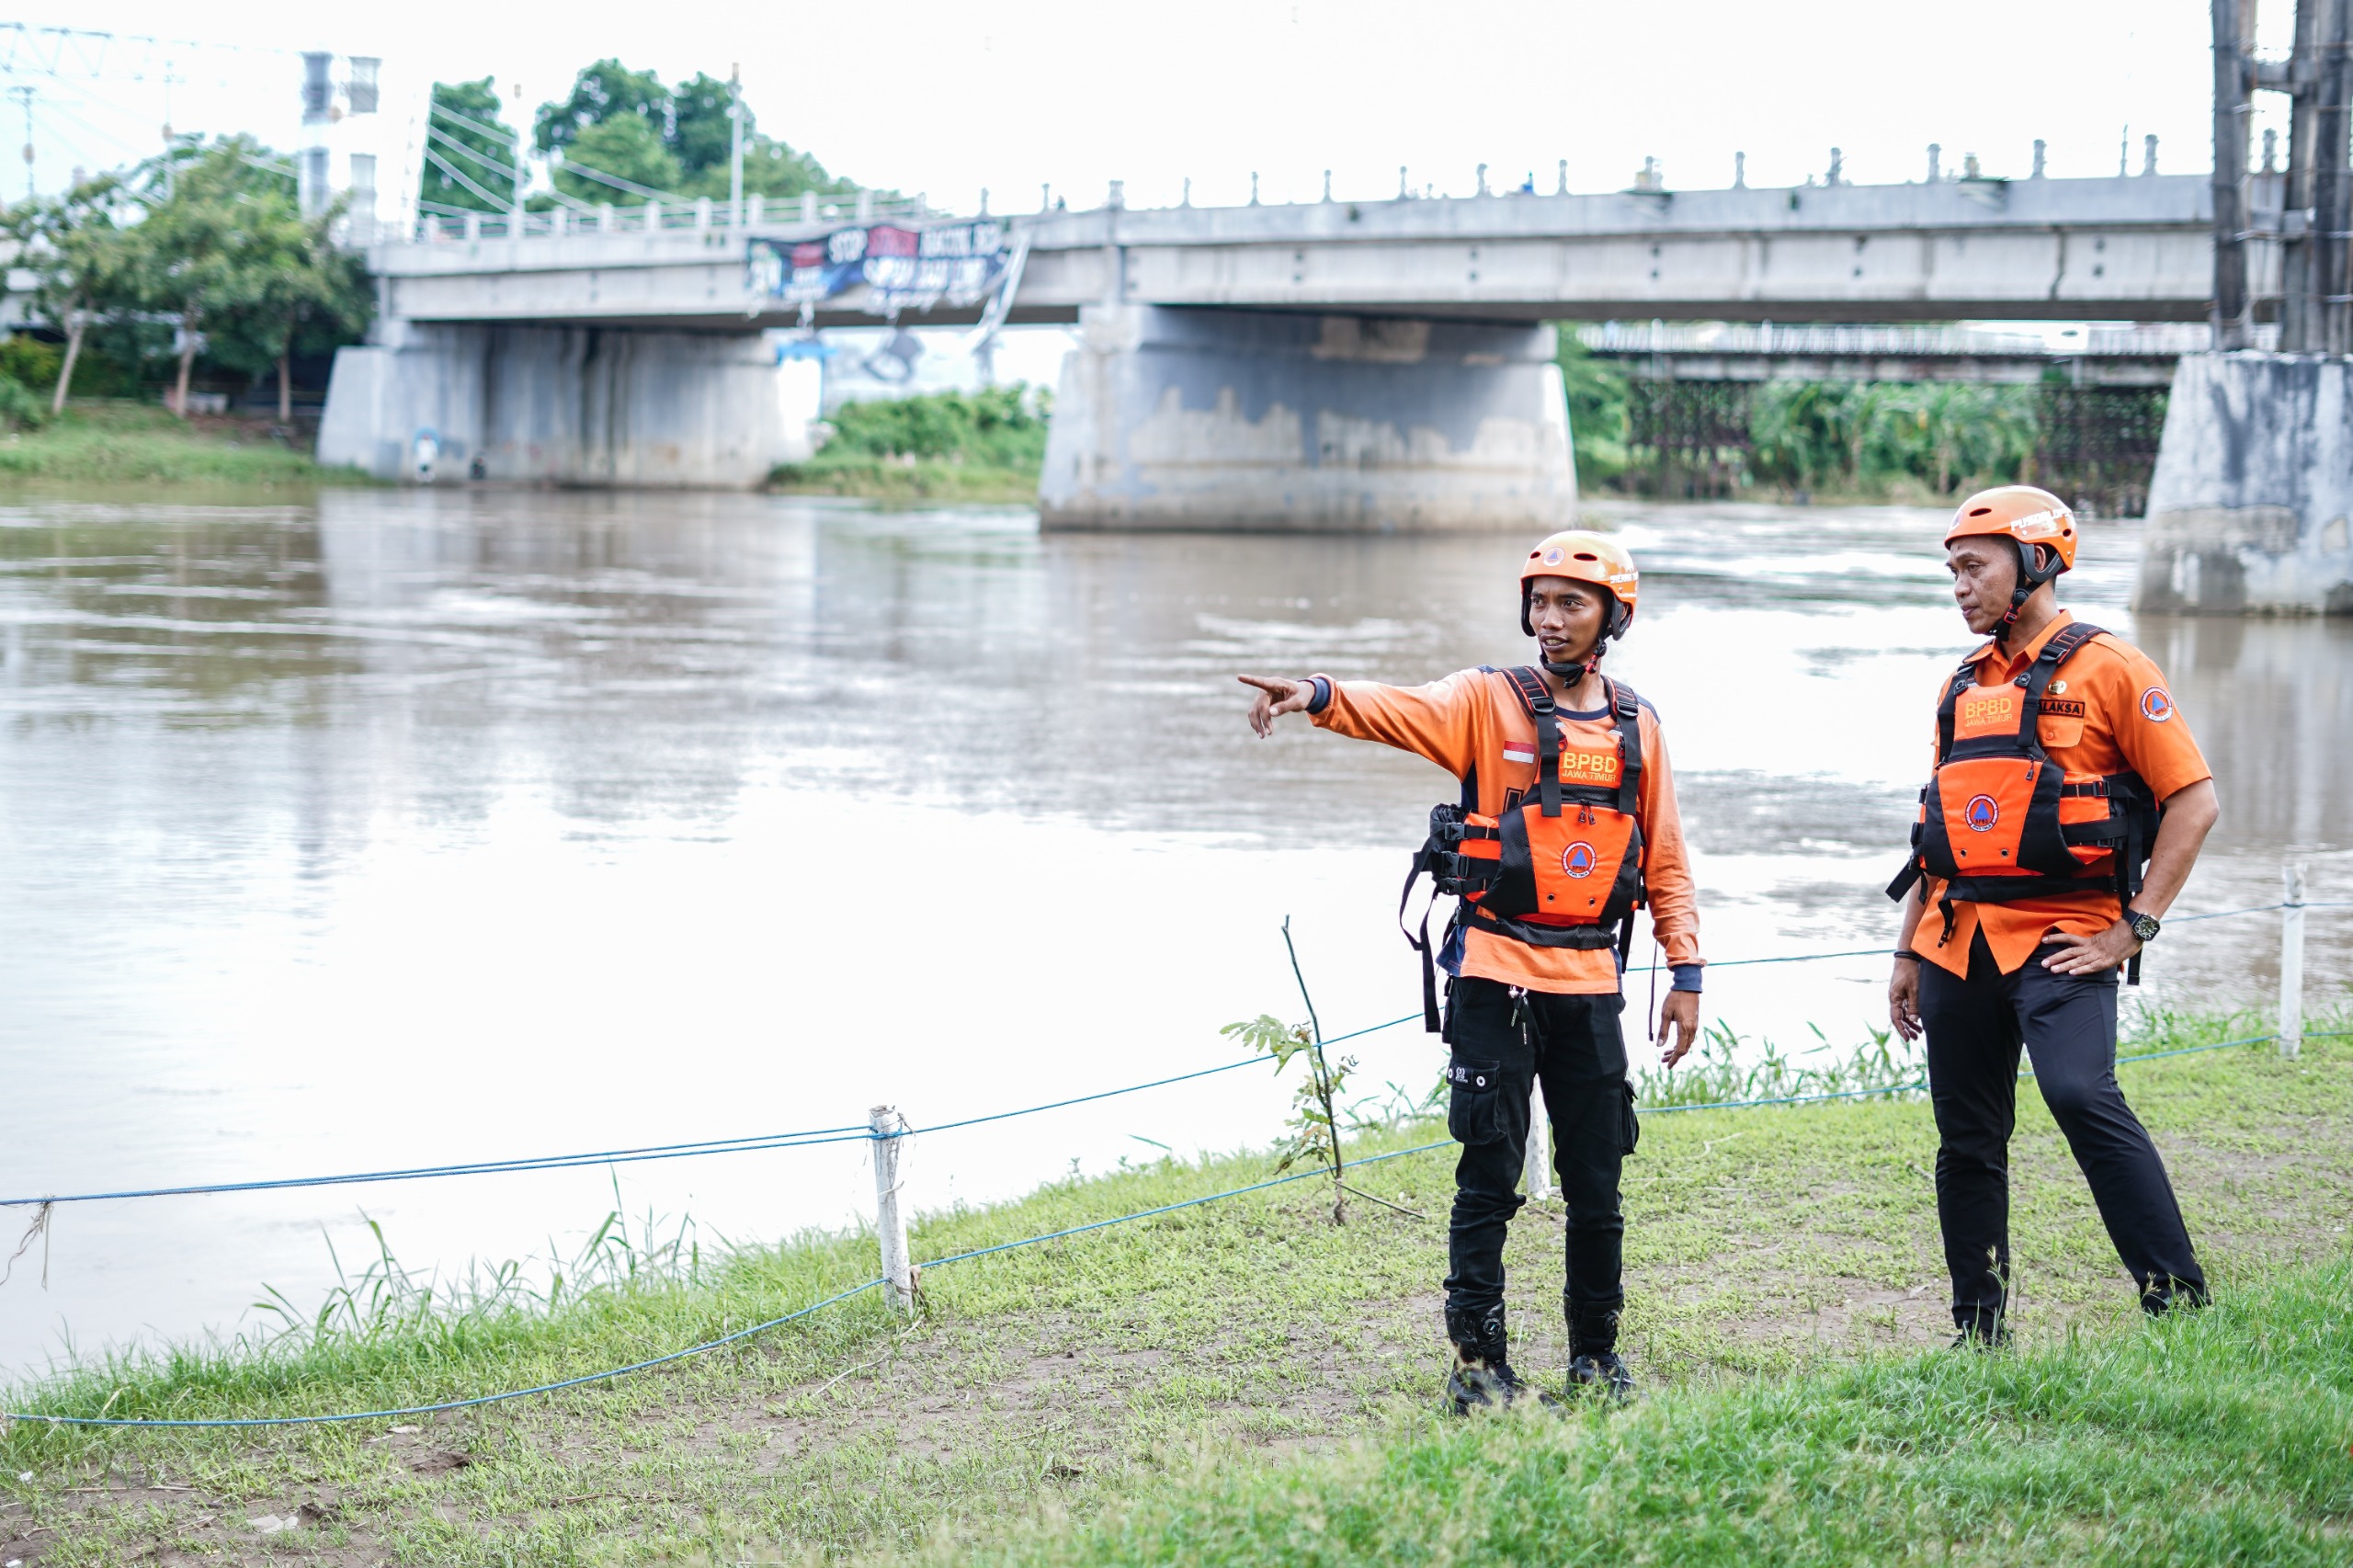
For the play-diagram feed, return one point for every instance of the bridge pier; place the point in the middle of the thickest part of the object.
(1173, 418)
(2249, 504)
(564, 404)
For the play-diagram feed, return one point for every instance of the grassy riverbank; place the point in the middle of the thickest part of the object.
(104, 442)
(904, 479)
(1139, 1392)
(981, 446)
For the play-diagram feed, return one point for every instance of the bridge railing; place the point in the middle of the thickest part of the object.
(1768, 339)
(448, 223)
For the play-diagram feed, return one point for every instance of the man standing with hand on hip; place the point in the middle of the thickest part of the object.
(2062, 770)
(1567, 825)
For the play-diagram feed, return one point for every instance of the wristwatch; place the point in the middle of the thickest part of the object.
(2144, 927)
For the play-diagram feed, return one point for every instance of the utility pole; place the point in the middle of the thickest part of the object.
(2234, 89)
(26, 93)
(515, 221)
(735, 150)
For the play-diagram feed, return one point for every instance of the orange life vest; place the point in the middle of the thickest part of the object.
(1561, 869)
(1999, 821)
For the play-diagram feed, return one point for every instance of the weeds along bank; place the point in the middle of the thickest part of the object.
(1091, 1379)
(983, 446)
(95, 442)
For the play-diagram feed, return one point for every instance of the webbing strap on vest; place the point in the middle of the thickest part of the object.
(1536, 698)
(2125, 792)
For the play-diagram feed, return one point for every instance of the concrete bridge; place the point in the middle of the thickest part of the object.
(1335, 365)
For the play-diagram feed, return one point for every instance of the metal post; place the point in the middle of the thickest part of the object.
(2232, 22)
(2291, 961)
(736, 145)
(1537, 1169)
(890, 1219)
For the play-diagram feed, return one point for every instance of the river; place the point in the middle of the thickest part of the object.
(381, 828)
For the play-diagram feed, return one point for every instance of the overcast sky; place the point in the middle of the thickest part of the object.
(948, 98)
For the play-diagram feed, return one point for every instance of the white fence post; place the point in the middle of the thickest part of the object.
(1537, 1171)
(2291, 961)
(890, 1219)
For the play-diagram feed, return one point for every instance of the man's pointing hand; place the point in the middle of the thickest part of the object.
(1276, 698)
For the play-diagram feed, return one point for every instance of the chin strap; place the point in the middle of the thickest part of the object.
(2030, 577)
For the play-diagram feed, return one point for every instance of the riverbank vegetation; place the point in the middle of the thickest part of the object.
(98, 442)
(1877, 441)
(1247, 1381)
(952, 446)
(199, 256)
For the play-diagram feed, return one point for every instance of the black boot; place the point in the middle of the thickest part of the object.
(1482, 1378)
(1594, 1365)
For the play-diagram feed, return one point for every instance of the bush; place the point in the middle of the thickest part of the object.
(21, 408)
(30, 362)
(1001, 427)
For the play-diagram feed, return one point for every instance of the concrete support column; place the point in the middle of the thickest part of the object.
(2253, 488)
(567, 405)
(1188, 418)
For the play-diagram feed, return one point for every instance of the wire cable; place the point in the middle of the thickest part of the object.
(706, 1345)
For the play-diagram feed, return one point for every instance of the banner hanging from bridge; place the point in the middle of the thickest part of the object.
(900, 268)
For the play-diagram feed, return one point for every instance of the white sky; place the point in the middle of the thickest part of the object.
(948, 98)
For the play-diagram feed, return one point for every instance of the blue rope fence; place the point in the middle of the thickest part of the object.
(447, 1405)
(707, 1346)
(814, 1137)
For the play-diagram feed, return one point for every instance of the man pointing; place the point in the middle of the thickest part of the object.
(1567, 824)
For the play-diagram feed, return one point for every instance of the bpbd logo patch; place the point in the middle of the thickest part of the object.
(1982, 812)
(2156, 705)
(1577, 860)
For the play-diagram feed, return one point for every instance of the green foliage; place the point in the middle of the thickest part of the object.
(1944, 437)
(21, 408)
(28, 360)
(678, 140)
(603, 92)
(1598, 424)
(1316, 1118)
(702, 131)
(626, 147)
(86, 262)
(983, 446)
(999, 428)
(481, 163)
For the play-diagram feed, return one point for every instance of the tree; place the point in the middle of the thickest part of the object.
(702, 135)
(627, 148)
(470, 159)
(601, 93)
(299, 290)
(77, 247)
(221, 222)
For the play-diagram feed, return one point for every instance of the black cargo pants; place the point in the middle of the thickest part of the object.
(2067, 1025)
(1503, 1045)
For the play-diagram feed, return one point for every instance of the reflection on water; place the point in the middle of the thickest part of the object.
(403, 826)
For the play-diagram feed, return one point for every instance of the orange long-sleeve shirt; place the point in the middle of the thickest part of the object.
(1474, 719)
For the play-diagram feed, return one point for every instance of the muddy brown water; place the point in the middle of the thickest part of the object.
(383, 828)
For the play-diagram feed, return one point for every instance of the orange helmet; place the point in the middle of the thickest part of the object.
(1582, 557)
(2027, 514)
(2027, 518)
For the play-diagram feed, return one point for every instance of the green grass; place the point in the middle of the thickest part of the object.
(1091, 1397)
(2213, 1437)
(904, 479)
(122, 443)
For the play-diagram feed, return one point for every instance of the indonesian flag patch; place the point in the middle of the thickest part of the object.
(1520, 750)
